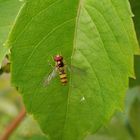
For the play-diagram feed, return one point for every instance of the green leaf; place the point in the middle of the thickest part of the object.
(8, 12)
(97, 38)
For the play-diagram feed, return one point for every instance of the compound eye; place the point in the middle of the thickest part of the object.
(61, 58)
(58, 58)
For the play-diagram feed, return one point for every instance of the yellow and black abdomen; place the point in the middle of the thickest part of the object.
(63, 75)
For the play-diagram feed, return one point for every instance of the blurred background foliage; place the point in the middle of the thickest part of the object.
(10, 106)
(135, 4)
(123, 126)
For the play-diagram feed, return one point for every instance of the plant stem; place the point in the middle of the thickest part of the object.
(9, 130)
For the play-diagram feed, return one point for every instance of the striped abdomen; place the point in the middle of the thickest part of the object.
(63, 75)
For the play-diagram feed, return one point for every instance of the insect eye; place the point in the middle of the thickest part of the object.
(58, 58)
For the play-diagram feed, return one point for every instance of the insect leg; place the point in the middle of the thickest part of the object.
(50, 64)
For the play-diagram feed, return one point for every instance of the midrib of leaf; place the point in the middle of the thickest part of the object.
(74, 48)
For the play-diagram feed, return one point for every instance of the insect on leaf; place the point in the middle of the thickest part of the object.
(95, 36)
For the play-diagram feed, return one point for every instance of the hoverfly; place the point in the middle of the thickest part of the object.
(58, 69)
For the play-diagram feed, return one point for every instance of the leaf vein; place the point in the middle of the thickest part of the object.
(45, 37)
(40, 12)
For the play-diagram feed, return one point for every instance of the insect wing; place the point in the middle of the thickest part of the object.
(75, 70)
(52, 75)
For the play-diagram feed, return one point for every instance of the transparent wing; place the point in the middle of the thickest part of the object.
(75, 70)
(52, 75)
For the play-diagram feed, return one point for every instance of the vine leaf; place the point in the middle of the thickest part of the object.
(8, 11)
(97, 38)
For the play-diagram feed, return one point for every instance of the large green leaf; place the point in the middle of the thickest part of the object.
(8, 11)
(95, 37)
